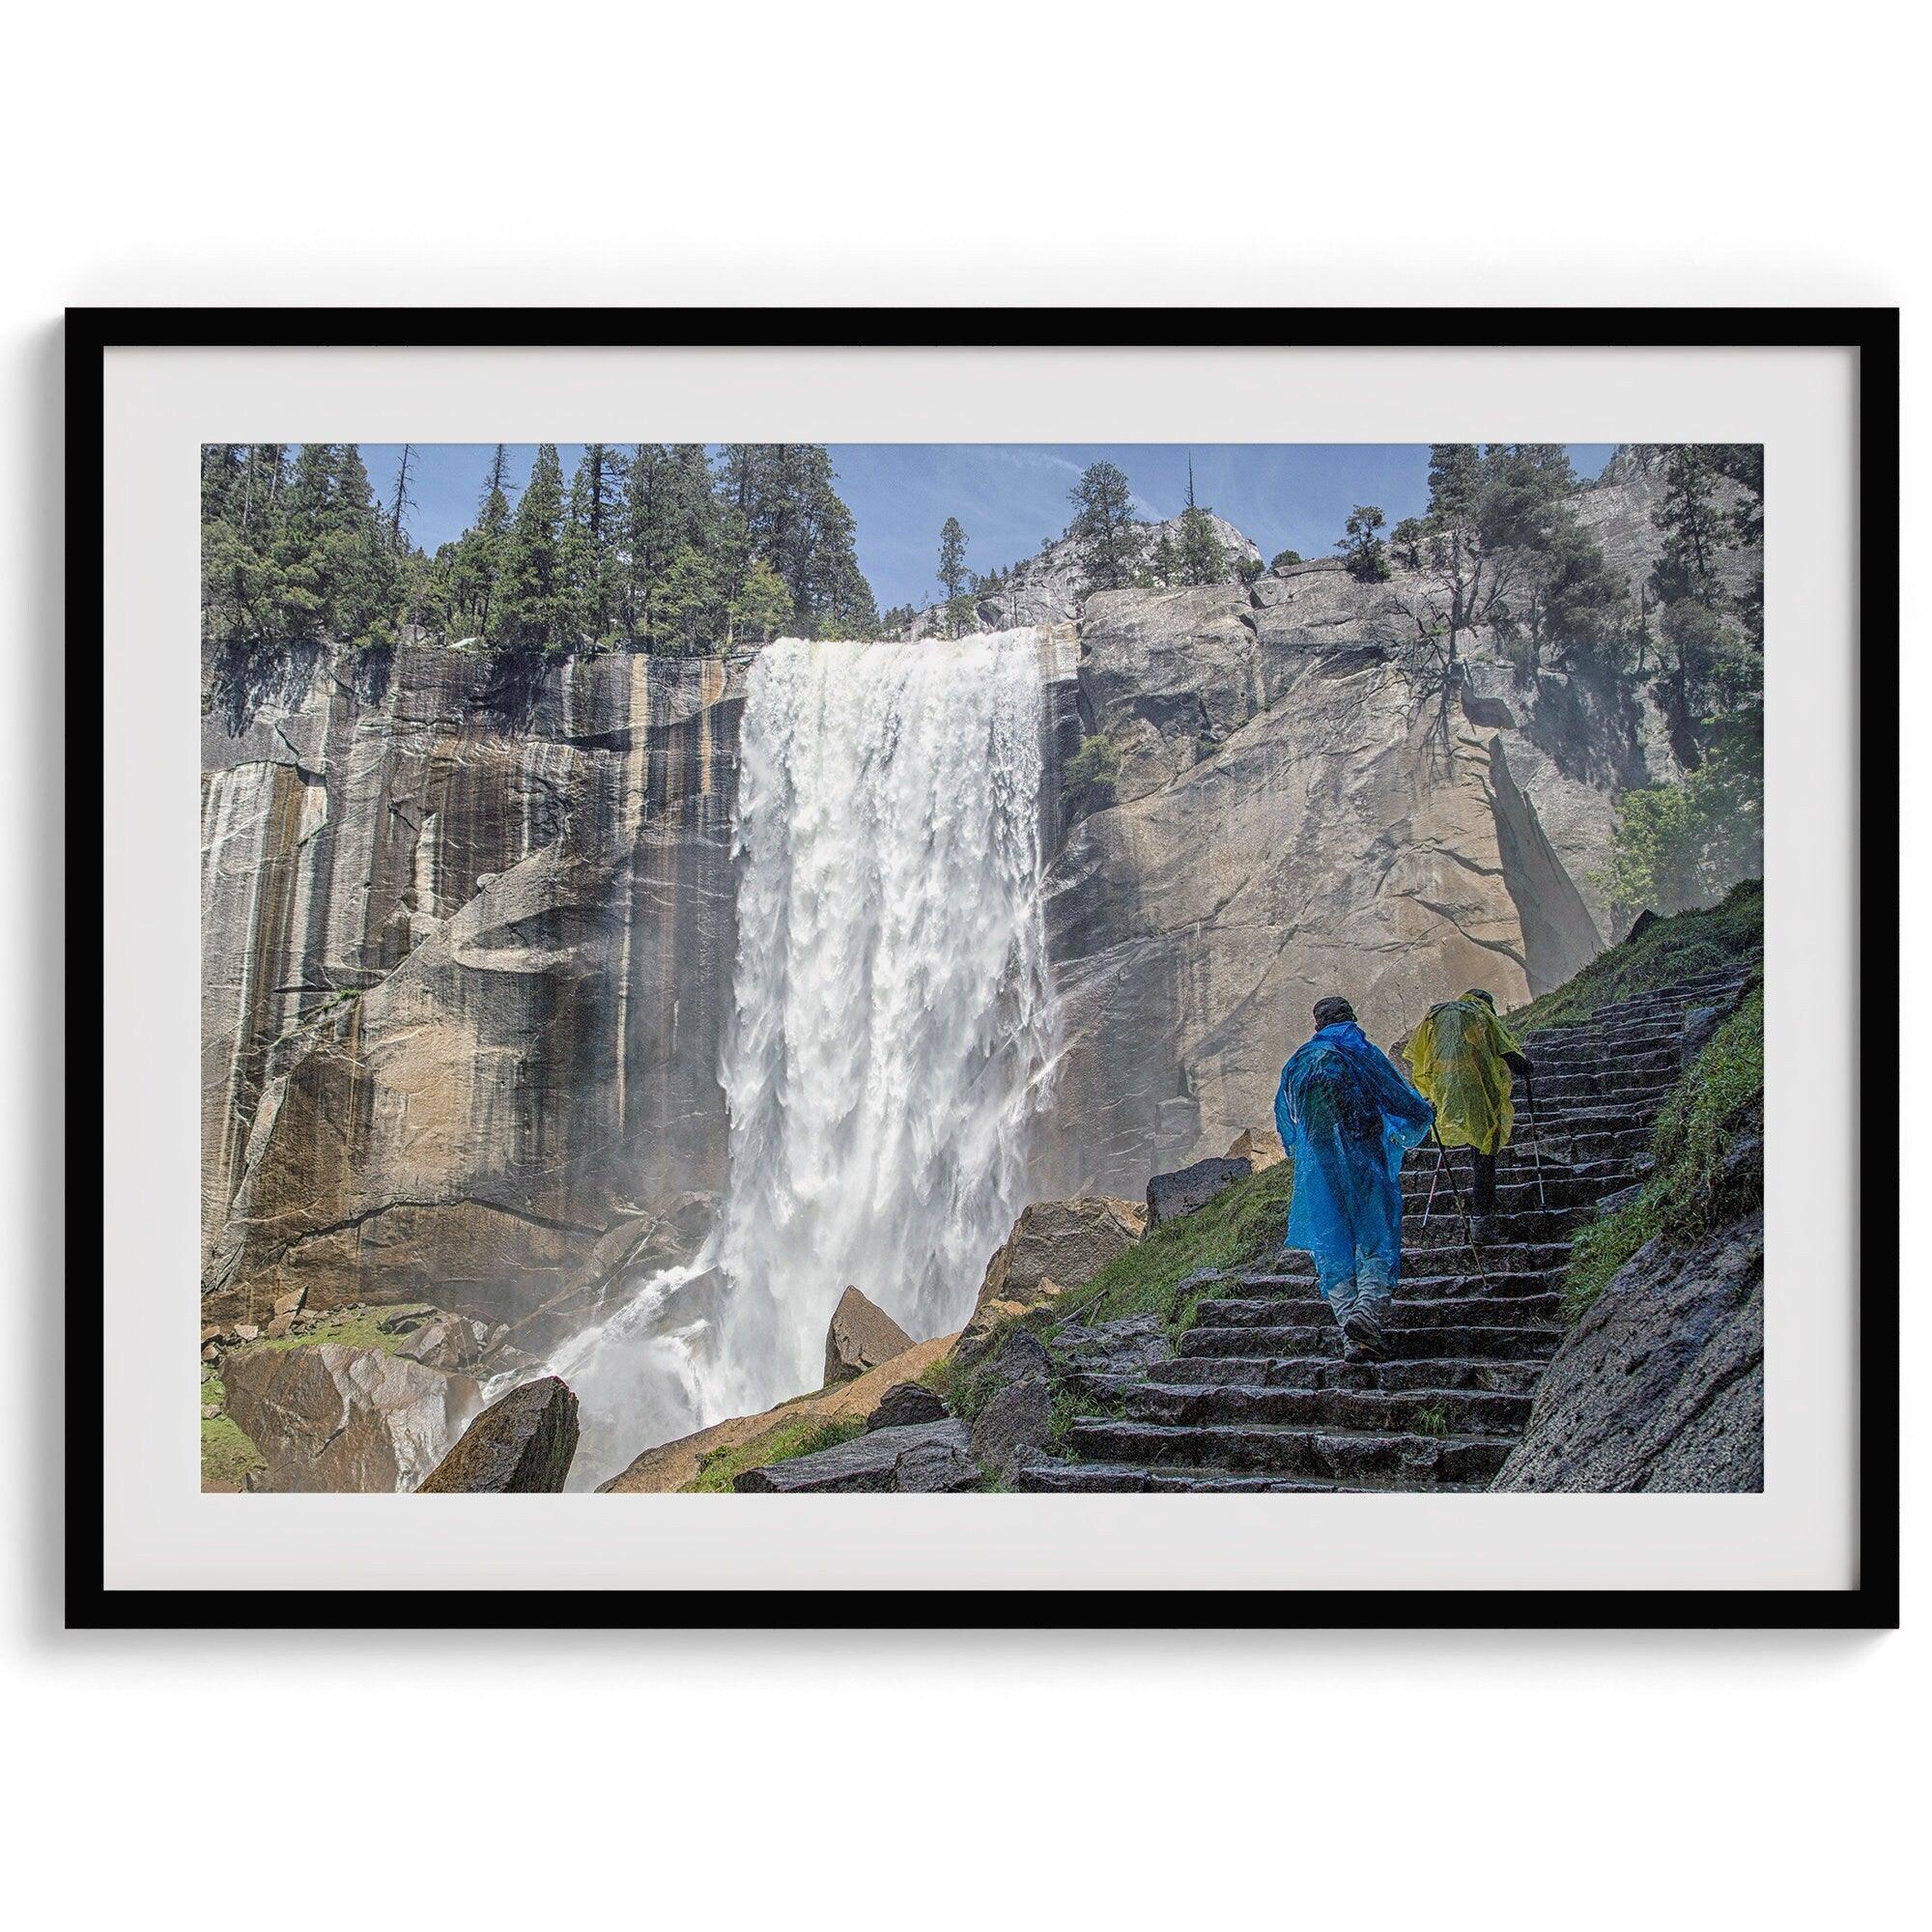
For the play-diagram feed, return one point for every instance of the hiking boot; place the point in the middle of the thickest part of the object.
(1364, 1338)
(1483, 1230)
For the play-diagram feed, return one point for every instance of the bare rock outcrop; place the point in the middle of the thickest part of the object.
(1310, 797)
(860, 1336)
(1259, 1148)
(1169, 1196)
(332, 1416)
(521, 1444)
(929, 1458)
(904, 1404)
(1660, 1386)
(1051, 586)
(1011, 1426)
(1064, 1241)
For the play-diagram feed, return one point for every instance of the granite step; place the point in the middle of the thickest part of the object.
(1404, 1313)
(1301, 1288)
(1405, 1345)
(1317, 1371)
(1516, 1188)
(1502, 1257)
(1339, 1456)
(1096, 1479)
(1390, 1412)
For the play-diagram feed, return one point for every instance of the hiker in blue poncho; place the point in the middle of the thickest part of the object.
(1346, 1117)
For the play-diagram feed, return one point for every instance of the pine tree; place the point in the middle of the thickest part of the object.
(1203, 560)
(362, 587)
(1695, 529)
(952, 557)
(222, 468)
(1103, 529)
(243, 502)
(1484, 504)
(533, 588)
(762, 607)
(648, 535)
(1367, 555)
(476, 559)
(297, 558)
(687, 610)
(401, 502)
(592, 562)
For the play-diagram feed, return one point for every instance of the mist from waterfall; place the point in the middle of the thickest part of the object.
(891, 1039)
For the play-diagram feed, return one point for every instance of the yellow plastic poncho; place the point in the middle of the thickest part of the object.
(1457, 1057)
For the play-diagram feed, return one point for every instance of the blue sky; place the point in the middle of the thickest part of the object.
(1010, 495)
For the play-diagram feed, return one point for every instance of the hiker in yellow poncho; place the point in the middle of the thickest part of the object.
(1463, 1057)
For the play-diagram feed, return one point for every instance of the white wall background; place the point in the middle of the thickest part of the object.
(827, 154)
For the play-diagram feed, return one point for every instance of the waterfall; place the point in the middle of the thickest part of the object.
(892, 1028)
(891, 997)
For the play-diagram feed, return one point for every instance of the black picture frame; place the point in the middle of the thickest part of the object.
(1873, 333)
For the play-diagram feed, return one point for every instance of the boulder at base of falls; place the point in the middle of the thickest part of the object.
(522, 1446)
(1259, 1148)
(1660, 1386)
(675, 1466)
(1012, 1427)
(331, 1416)
(992, 1320)
(930, 1457)
(1067, 1242)
(860, 1336)
(1169, 1196)
(905, 1403)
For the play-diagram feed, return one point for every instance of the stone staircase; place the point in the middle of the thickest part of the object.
(1258, 1396)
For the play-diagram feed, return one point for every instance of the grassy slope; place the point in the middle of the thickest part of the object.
(805, 1436)
(358, 1330)
(227, 1454)
(1675, 948)
(1240, 1224)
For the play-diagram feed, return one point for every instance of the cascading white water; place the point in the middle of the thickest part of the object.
(891, 1001)
(891, 1033)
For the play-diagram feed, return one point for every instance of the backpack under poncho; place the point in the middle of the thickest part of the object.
(1346, 1117)
(1457, 1058)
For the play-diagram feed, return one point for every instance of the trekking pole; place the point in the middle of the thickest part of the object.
(1445, 1165)
(1535, 1143)
(1434, 1180)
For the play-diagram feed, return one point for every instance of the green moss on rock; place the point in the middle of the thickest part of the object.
(1729, 933)
(1239, 1225)
(358, 1328)
(228, 1456)
(1708, 1159)
(805, 1436)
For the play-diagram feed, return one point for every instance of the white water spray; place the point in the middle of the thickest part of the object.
(891, 1031)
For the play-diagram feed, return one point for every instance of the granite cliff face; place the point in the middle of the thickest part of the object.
(1309, 798)
(468, 947)
(465, 955)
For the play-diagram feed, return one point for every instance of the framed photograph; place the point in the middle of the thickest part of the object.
(1064, 967)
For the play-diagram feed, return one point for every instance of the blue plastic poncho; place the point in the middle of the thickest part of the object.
(1346, 1117)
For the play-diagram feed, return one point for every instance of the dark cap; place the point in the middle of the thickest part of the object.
(1477, 993)
(1332, 1010)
